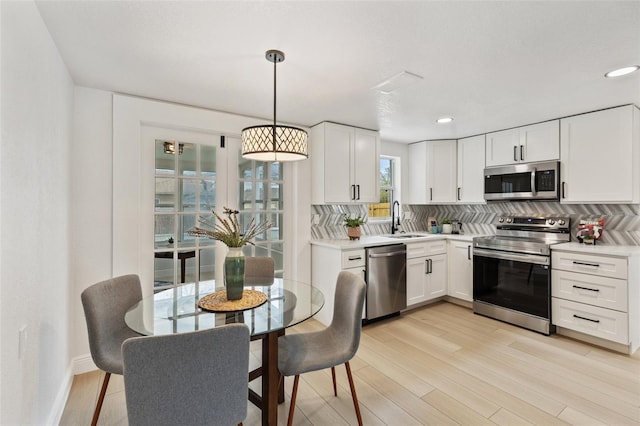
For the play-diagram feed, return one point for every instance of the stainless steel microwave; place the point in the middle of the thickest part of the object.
(529, 181)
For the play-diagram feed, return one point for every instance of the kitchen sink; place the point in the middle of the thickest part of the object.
(399, 236)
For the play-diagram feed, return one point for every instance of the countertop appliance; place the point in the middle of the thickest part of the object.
(386, 278)
(530, 181)
(512, 270)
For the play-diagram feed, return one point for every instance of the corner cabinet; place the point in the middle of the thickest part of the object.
(426, 271)
(536, 142)
(432, 172)
(600, 155)
(471, 152)
(344, 164)
(460, 260)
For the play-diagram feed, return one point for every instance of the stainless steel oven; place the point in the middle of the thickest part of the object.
(512, 271)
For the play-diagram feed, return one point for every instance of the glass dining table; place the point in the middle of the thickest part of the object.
(287, 303)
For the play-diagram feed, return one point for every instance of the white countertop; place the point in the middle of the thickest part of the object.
(598, 249)
(381, 240)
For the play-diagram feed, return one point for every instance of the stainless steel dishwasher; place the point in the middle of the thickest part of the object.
(386, 277)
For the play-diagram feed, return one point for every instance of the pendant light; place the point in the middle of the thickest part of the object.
(271, 142)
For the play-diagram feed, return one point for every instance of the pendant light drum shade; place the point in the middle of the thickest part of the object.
(272, 142)
(290, 144)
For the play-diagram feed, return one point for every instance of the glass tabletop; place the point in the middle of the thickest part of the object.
(176, 310)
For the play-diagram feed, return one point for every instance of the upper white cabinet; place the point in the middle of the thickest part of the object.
(344, 164)
(471, 152)
(432, 172)
(537, 142)
(600, 154)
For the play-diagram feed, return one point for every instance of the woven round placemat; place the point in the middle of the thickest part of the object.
(217, 302)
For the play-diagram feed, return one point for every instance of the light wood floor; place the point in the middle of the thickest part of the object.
(442, 364)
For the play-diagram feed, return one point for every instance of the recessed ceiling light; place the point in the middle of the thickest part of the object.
(622, 71)
(444, 120)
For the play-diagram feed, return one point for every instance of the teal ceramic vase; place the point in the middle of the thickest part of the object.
(234, 273)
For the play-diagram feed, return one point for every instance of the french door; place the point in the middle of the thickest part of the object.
(188, 174)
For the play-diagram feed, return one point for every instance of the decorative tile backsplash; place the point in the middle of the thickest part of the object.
(622, 226)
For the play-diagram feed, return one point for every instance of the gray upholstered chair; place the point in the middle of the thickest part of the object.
(193, 378)
(259, 267)
(336, 344)
(105, 304)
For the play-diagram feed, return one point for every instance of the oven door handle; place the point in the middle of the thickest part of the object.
(525, 258)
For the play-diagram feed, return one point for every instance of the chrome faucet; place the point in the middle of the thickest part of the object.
(395, 226)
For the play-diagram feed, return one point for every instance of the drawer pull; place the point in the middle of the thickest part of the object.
(586, 264)
(355, 257)
(586, 288)
(586, 319)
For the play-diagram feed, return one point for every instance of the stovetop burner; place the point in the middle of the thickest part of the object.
(525, 234)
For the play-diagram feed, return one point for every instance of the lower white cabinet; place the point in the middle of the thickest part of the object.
(460, 267)
(426, 271)
(596, 294)
(326, 264)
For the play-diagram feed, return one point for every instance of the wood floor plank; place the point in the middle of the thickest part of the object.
(454, 409)
(507, 418)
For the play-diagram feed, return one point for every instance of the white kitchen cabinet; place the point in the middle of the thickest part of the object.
(471, 152)
(326, 264)
(600, 154)
(460, 269)
(596, 295)
(426, 271)
(526, 144)
(432, 172)
(344, 164)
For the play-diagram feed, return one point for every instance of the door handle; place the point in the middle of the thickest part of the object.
(563, 195)
(358, 187)
(585, 288)
(458, 193)
(426, 266)
(468, 252)
(515, 153)
(430, 194)
(521, 152)
(585, 318)
(353, 192)
(596, 265)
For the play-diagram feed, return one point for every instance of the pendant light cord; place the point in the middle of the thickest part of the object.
(275, 62)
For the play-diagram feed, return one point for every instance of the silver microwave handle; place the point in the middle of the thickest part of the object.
(533, 182)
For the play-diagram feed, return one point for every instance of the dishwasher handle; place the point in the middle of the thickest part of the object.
(389, 254)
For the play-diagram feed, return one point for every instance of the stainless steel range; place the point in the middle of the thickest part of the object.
(512, 270)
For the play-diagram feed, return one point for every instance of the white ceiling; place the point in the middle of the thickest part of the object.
(490, 65)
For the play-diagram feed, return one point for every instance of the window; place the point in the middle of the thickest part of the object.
(260, 197)
(388, 177)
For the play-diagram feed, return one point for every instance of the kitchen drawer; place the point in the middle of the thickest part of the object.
(426, 249)
(599, 322)
(604, 266)
(599, 291)
(353, 259)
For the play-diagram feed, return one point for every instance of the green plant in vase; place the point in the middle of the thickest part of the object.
(228, 231)
(446, 225)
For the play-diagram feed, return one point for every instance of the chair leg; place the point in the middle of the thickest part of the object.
(333, 376)
(294, 393)
(103, 391)
(353, 393)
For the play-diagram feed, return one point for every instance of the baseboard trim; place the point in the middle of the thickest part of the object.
(61, 399)
(82, 364)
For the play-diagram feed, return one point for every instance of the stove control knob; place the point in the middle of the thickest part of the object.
(509, 220)
(501, 219)
(561, 222)
(551, 221)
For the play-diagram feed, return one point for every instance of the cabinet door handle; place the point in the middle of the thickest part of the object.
(353, 192)
(426, 266)
(458, 193)
(521, 152)
(430, 266)
(355, 257)
(468, 252)
(586, 264)
(430, 194)
(563, 196)
(585, 318)
(515, 153)
(358, 188)
(586, 288)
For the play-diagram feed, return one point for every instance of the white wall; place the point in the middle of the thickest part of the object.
(37, 103)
